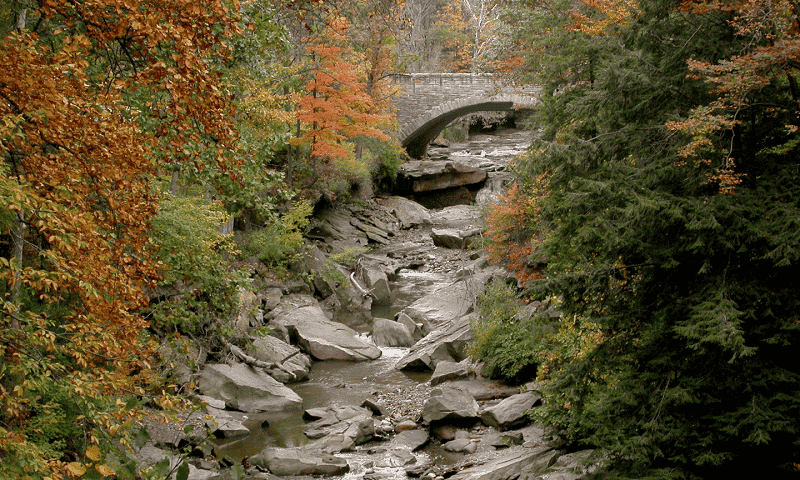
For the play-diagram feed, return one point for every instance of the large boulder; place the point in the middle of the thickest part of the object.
(346, 226)
(510, 413)
(426, 175)
(296, 365)
(374, 279)
(316, 263)
(447, 344)
(324, 339)
(449, 403)
(244, 388)
(446, 303)
(339, 428)
(388, 333)
(411, 439)
(299, 461)
(455, 238)
(531, 462)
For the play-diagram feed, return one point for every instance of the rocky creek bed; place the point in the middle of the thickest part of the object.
(364, 373)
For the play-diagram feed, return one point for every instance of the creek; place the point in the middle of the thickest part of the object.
(349, 383)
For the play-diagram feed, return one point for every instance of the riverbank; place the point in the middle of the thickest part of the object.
(361, 370)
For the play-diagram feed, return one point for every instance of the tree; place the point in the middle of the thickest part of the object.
(98, 99)
(419, 50)
(678, 266)
(336, 107)
(468, 31)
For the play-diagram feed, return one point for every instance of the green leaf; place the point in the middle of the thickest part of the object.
(92, 474)
(141, 437)
(183, 471)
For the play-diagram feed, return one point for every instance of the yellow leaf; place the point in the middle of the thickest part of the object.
(104, 470)
(76, 469)
(93, 453)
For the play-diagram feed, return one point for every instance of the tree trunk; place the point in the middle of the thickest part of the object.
(17, 249)
(21, 18)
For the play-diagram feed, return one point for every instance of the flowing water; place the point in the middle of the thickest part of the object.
(349, 383)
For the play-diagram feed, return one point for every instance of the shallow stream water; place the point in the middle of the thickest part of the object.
(350, 383)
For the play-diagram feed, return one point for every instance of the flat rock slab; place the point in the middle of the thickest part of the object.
(225, 426)
(461, 445)
(396, 458)
(511, 465)
(483, 389)
(458, 216)
(429, 175)
(299, 461)
(243, 388)
(572, 466)
(324, 339)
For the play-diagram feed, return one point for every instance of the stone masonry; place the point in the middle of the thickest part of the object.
(428, 102)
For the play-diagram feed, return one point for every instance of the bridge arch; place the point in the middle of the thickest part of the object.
(417, 134)
(427, 102)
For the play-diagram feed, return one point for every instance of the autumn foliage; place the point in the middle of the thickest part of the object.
(514, 230)
(336, 108)
(97, 99)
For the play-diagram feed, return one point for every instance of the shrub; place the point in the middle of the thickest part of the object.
(199, 284)
(282, 242)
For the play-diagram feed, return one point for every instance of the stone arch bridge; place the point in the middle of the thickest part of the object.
(428, 102)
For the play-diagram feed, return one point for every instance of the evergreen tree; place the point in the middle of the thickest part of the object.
(680, 265)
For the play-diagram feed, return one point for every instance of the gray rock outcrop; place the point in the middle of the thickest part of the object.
(426, 175)
(374, 279)
(458, 216)
(413, 439)
(339, 428)
(416, 329)
(223, 425)
(571, 466)
(324, 339)
(244, 388)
